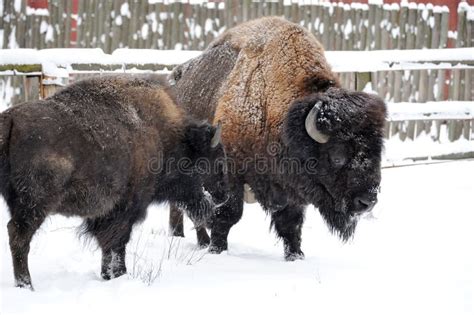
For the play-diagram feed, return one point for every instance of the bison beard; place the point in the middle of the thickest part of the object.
(262, 79)
(90, 151)
(352, 120)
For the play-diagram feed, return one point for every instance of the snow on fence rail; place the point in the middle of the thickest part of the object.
(432, 68)
(77, 60)
(193, 24)
(410, 120)
(44, 71)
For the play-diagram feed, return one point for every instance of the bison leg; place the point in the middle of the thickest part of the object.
(176, 221)
(176, 227)
(202, 237)
(288, 223)
(21, 228)
(113, 233)
(225, 217)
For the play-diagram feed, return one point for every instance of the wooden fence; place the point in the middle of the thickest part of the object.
(406, 121)
(191, 25)
(112, 24)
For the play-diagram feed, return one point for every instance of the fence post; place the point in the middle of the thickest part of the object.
(50, 85)
(362, 78)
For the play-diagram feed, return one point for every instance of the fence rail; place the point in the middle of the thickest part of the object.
(42, 72)
(396, 75)
(192, 25)
(409, 121)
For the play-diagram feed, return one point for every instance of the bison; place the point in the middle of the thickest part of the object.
(103, 149)
(269, 83)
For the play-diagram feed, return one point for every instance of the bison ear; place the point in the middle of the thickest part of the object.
(175, 75)
(199, 137)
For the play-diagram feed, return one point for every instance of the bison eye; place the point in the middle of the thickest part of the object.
(338, 156)
(338, 160)
(321, 85)
(177, 74)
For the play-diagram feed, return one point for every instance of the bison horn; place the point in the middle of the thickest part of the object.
(249, 195)
(310, 124)
(217, 135)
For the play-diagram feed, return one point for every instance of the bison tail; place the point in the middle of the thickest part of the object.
(5, 130)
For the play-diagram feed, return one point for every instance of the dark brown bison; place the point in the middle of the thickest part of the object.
(293, 136)
(102, 149)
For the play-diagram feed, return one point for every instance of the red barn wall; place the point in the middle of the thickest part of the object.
(451, 4)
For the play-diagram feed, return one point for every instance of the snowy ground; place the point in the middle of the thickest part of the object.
(415, 258)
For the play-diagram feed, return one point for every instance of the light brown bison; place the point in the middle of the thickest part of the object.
(292, 134)
(102, 149)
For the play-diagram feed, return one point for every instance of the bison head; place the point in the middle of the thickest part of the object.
(209, 159)
(342, 131)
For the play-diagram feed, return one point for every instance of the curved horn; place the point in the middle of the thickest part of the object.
(217, 135)
(249, 195)
(310, 125)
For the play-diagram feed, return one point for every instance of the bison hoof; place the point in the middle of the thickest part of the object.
(176, 233)
(203, 243)
(112, 274)
(203, 239)
(217, 249)
(299, 255)
(24, 284)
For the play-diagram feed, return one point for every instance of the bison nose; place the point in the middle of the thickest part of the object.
(364, 203)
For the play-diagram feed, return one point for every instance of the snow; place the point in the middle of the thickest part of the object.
(151, 18)
(395, 32)
(431, 110)
(6, 93)
(425, 13)
(414, 258)
(399, 152)
(395, 7)
(198, 31)
(359, 6)
(341, 61)
(376, 2)
(348, 28)
(49, 37)
(440, 9)
(170, 57)
(43, 26)
(211, 5)
(59, 56)
(382, 60)
(17, 5)
(208, 27)
(424, 147)
(144, 31)
(125, 10)
(12, 44)
(431, 21)
(163, 15)
(469, 9)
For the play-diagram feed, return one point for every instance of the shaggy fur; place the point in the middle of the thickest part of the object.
(102, 149)
(279, 72)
